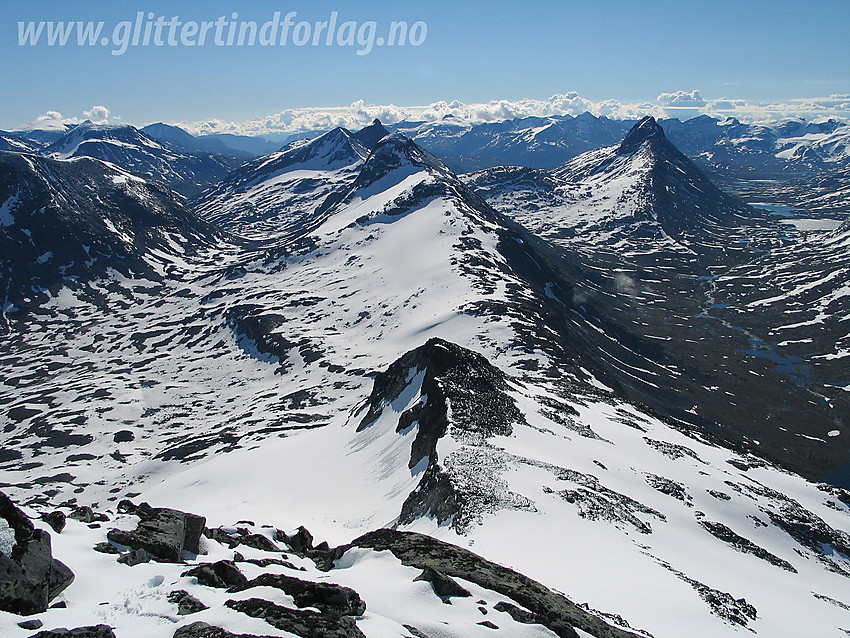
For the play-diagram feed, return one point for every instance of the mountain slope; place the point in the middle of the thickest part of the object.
(62, 221)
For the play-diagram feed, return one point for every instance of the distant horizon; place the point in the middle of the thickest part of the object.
(682, 105)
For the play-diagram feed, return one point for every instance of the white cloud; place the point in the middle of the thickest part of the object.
(51, 120)
(681, 99)
(97, 114)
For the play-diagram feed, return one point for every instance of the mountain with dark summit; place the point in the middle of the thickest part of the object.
(68, 221)
(663, 251)
(187, 172)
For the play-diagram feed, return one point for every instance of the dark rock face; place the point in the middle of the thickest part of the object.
(164, 533)
(221, 574)
(307, 624)
(369, 136)
(552, 610)
(186, 603)
(31, 625)
(96, 631)
(29, 577)
(331, 599)
(258, 541)
(744, 545)
(517, 613)
(299, 542)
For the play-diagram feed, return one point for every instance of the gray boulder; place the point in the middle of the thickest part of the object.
(162, 532)
(29, 575)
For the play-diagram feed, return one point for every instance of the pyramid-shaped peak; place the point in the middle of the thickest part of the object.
(646, 129)
(372, 134)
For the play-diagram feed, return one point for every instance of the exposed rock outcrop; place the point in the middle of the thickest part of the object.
(552, 610)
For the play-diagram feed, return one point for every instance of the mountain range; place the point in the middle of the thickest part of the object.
(594, 395)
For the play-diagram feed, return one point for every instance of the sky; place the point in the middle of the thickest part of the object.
(750, 58)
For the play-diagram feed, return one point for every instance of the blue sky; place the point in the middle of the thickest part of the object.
(474, 52)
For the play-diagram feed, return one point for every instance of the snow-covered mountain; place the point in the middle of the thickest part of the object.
(393, 351)
(278, 195)
(185, 171)
(534, 142)
(726, 148)
(645, 186)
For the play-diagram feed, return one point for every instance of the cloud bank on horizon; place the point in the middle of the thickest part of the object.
(679, 104)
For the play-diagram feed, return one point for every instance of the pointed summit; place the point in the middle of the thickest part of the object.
(372, 134)
(646, 129)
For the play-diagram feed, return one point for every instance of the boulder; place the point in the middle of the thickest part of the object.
(135, 557)
(221, 574)
(29, 575)
(299, 541)
(186, 603)
(258, 541)
(329, 598)
(106, 548)
(444, 586)
(86, 514)
(300, 622)
(55, 519)
(164, 533)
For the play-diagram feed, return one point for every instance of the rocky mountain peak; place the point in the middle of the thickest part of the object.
(646, 129)
(369, 136)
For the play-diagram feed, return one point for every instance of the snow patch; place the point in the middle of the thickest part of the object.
(6, 217)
